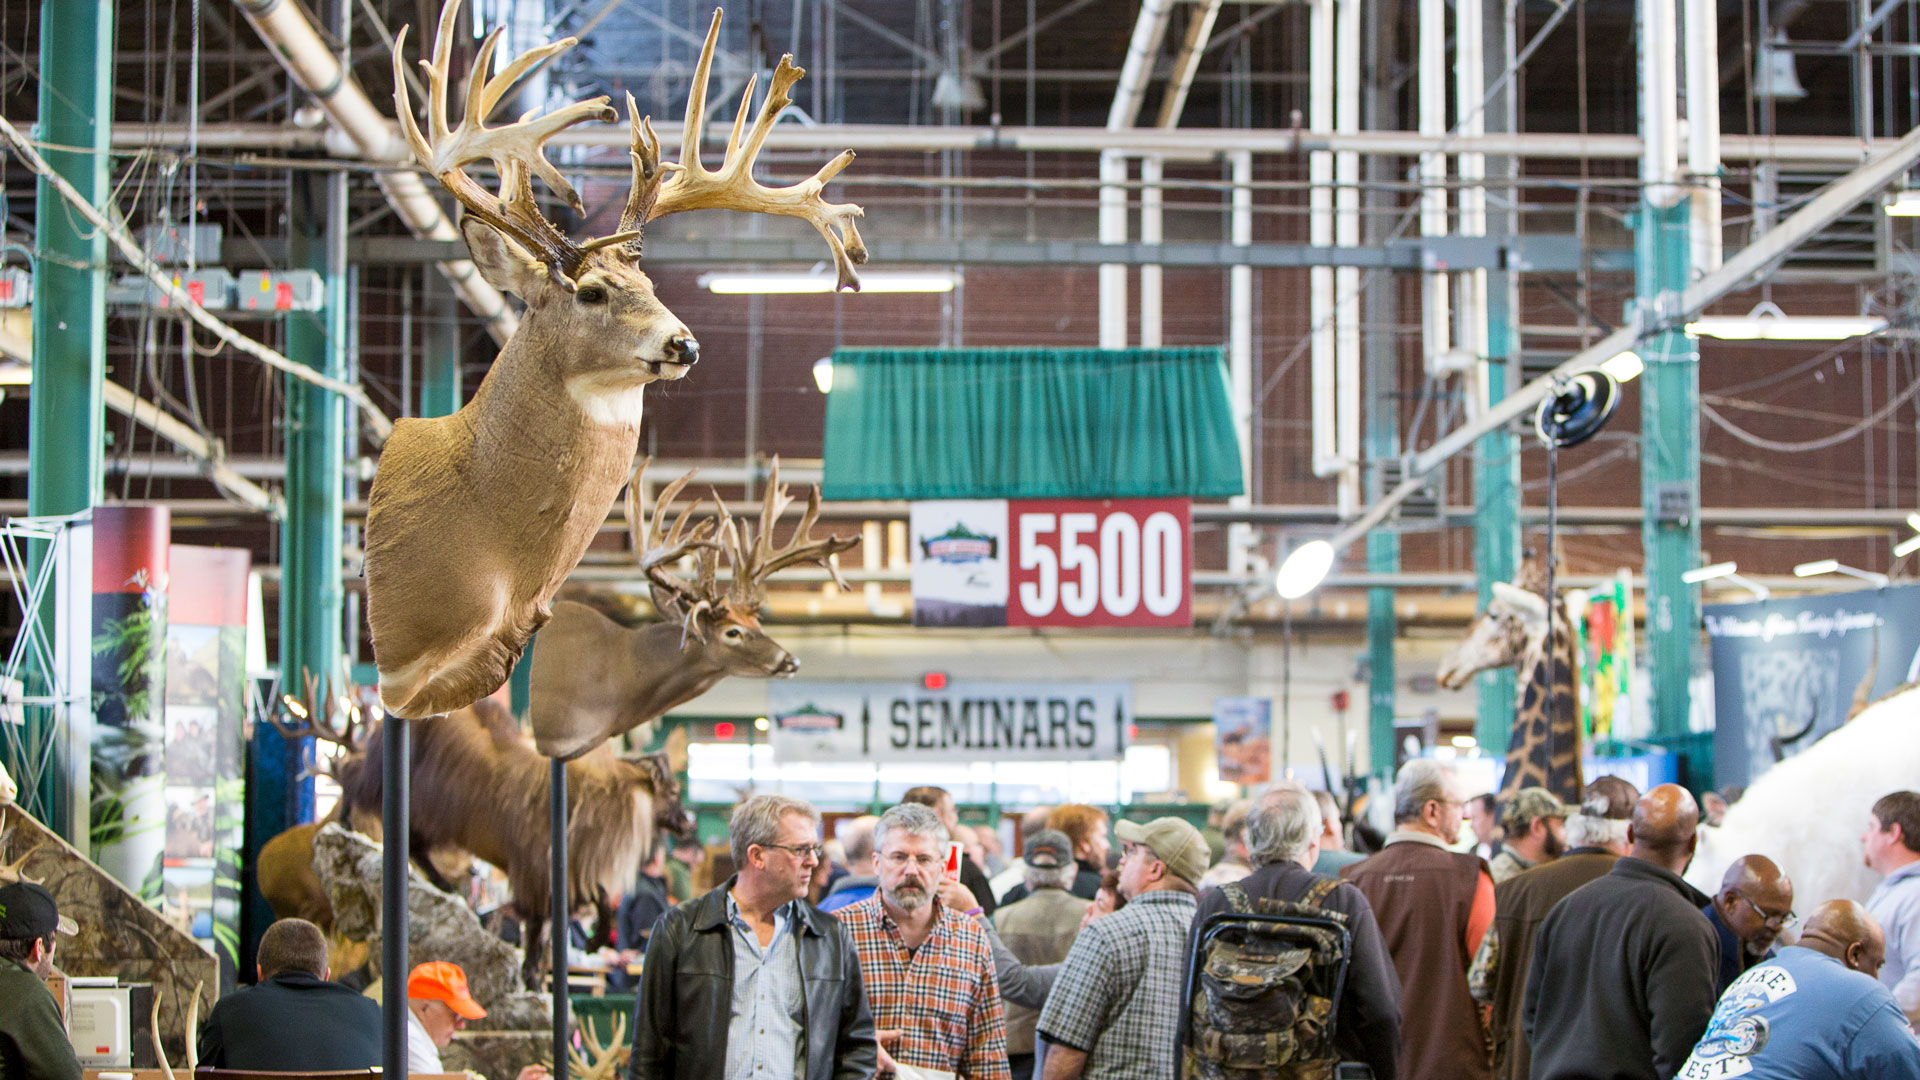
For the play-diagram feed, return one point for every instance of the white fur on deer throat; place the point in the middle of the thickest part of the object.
(607, 398)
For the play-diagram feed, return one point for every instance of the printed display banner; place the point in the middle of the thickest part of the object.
(975, 721)
(959, 562)
(129, 813)
(1786, 672)
(1243, 739)
(1052, 562)
(1606, 655)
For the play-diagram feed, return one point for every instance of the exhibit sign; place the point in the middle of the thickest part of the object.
(1786, 672)
(1053, 562)
(965, 722)
(1243, 739)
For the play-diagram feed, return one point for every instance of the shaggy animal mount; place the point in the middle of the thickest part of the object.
(9, 791)
(477, 784)
(593, 678)
(1839, 778)
(475, 519)
(1543, 747)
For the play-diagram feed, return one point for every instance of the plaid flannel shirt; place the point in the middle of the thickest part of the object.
(1118, 995)
(943, 996)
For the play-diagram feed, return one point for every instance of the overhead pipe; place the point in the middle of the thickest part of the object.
(1702, 39)
(1470, 90)
(1152, 201)
(1149, 29)
(1240, 351)
(1322, 337)
(1659, 103)
(1436, 327)
(294, 40)
(1346, 279)
(1191, 143)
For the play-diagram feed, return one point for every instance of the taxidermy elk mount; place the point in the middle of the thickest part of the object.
(475, 519)
(594, 679)
(478, 787)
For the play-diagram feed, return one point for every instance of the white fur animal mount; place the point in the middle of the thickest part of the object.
(1808, 812)
(8, 790)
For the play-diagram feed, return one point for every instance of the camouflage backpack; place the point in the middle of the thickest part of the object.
(1263, 997)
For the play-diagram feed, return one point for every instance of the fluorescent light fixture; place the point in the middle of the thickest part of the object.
(741, 284)
(1766, 322)
(1833, 566)
(1913, 522)
(1728, 572)
(1304, 569)
(1906, 547)
(16, 374)
(1904, 204)
(1625, 367)
(1465, 742)
(823, 374)
(1708, 573)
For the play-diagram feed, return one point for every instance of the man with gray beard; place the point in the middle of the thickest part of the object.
(928, 969)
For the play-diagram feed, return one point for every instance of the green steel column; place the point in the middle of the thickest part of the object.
(69, 318)
(1381, 356)
(1496, 514)
(440, 385)
(311, 597)
(1669, 468)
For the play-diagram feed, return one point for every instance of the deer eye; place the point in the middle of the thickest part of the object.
(591, 294)
(733, 633)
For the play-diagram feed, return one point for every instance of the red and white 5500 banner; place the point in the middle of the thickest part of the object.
(1053, 562)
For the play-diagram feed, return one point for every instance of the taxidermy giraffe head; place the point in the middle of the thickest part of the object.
(1513, 626)
(475, 519)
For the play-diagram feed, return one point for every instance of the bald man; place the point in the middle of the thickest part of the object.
(1754, 904)
(1814, 1012)
(1622, 977)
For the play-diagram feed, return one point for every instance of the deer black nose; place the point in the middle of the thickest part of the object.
(683, 349)
(787, 666)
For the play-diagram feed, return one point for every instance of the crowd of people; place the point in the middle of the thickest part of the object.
(1568, 947)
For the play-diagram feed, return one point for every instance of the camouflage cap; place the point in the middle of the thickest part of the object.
(1530, 804)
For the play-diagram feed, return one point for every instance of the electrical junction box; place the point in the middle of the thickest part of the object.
(16, 288)
(280, 290)
(211, 288)
(168, 242)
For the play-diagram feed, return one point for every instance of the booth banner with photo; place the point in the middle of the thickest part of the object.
(128, 816)
(205, 721)
(1052, 562)
(963, 723)
(1606, 661)
(1786, 672)
(1243, 739)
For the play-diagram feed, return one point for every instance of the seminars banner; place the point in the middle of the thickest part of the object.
(975, 721)
(1786, 672)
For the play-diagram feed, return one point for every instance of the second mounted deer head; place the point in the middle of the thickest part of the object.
(475, 519)
(593, 678)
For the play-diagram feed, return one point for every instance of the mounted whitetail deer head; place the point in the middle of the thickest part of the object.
(475, 519)
(593, 678)
(335, 719)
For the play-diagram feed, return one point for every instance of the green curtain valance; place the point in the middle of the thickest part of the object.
(1030, 423)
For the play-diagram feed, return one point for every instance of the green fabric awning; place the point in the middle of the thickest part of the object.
(1030, 423)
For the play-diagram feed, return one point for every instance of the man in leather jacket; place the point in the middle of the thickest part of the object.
(750, 980)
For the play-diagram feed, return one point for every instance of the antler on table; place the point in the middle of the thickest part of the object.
(608, 1056)
(753, 562)
(517, 151)
(733, 187)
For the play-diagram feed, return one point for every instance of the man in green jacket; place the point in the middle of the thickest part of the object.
(33, 1040)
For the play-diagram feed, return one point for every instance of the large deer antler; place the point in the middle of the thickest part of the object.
(12, 873)
(193, 1029)
(753, 557)
(322, 715)
(609, 1058)
(657, 548)
(517, 150)
(733, 186)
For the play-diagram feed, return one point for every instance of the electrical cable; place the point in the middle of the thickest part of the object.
(1821, 443)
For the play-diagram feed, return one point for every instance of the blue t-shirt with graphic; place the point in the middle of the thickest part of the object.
(1805, 1016)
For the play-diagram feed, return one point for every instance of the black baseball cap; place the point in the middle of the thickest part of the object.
(28, 911)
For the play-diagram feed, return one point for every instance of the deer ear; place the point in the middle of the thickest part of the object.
(667, 603)
(504, 264)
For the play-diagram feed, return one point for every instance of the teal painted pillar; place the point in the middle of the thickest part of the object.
(69, 328)
(311, 597)
(1669, 468)
(1496, 515)
(440, 380)
(1383, 632)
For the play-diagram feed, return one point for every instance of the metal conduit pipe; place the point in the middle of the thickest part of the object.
(1188, 143)
(1702, 36)
(1346, 279)
(1321, 343)
(284, 27)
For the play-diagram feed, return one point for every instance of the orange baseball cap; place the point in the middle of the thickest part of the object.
(441, 981)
